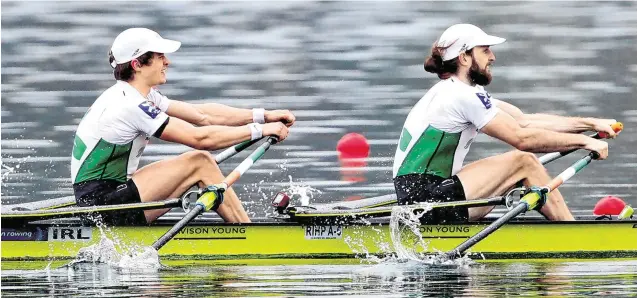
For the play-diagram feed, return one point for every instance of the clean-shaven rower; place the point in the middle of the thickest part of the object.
(113, 133)
(439, 130)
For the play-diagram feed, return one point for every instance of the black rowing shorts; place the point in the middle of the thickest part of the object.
(110, 192)
(412, 188)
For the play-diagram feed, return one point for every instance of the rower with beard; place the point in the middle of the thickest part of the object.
(439, 130)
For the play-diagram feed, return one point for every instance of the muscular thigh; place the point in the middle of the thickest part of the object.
(491, 176)
(164, 179)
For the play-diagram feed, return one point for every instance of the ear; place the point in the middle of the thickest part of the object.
(465, 58)
(135, 64)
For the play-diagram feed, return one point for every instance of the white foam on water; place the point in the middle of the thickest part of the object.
(8, 170)
(118, 254)
(405, 247)
(357, 243)
(303, 194)
(147, 258)
(405, 234)
(408, 243)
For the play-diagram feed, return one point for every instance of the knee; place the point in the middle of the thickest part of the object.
(199, 157)
(527, 160)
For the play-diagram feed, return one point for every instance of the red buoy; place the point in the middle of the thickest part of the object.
(353, 145)
(609, 205)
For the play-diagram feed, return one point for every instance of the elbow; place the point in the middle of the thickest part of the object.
(199, 146)
(522, 145)
(205, 139)
(200, 141)
(522, 141)
(204, 120)
(527, 143)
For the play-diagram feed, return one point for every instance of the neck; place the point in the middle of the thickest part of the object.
(142, 87)
(465, 79)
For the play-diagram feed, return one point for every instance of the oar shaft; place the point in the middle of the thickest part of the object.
(196, 210)
(458, 251)
(571, 171)
(310, 213)
(207, 202)
(530, 201)
(31, 215)
(232, 151)
(248, 162)
(494, 201)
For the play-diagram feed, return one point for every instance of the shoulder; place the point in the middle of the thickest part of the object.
(160, 100)
(114, 91)
(474, 97)
(127, 103)
(452, 94)
(154, 92)
(445, 89)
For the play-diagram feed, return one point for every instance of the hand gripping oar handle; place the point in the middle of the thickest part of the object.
(544, 159)
(207, 202)
(533, 200)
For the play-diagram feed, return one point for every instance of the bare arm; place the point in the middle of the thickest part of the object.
(209, 114)
(213, 137)
(210, 137)
(219, 114)
(505, 128)
(551, 122)
(546, 121)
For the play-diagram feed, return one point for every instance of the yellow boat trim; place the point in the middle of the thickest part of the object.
(591, 239)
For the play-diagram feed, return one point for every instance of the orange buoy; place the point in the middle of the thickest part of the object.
(353, 145)
(609, 205)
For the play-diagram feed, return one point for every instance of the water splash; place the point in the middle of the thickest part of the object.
(303, 194)
(117, 253)
(101, 252)
(106, 252)
(8, 170)
(360, 240)
(404, 226)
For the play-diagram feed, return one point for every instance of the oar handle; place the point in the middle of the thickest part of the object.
(232, 151)
(617, 127)
(546, 158)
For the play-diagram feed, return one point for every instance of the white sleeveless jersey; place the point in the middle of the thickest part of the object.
(113, 133)
(441, 127)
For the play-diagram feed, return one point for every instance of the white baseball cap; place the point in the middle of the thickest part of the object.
(463, 37)
(134, 42)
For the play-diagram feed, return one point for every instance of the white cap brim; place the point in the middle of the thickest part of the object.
(164, 46)
(489, 40)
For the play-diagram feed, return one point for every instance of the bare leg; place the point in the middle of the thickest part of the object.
(495, 175)
(172, 177)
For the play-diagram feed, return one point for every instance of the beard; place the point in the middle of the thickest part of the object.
(479, 76)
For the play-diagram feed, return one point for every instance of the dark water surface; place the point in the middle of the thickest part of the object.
(331, 278)
(340, 67)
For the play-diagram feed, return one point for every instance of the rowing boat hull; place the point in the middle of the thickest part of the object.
(266, 239)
